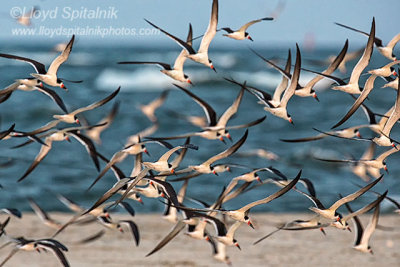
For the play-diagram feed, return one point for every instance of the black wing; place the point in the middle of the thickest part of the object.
(56, 98)
(179, 41)
(91, 149)
(134, 230)
(39, 67)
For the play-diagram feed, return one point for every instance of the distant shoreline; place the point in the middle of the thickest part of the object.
(301, 248)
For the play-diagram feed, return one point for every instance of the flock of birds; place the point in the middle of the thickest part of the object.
(153, 179)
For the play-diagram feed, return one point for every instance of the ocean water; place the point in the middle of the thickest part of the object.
(68, 169)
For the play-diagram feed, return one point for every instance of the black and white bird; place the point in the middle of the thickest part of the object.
(201, 56)
(47, 76)
(241, 33)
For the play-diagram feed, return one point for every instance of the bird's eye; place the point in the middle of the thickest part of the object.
(246, 217)
(185, 76)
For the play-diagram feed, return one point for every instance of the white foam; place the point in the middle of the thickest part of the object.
(224, 60)
(143, 79)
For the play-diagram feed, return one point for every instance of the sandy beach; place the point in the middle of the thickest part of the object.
(300, 248)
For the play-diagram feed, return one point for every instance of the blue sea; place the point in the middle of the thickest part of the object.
(69, 170)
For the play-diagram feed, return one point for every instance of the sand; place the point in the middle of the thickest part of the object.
(300, 248)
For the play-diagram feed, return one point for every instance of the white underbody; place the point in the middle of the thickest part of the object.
(348, 88)
(47, 79)
(236, 35)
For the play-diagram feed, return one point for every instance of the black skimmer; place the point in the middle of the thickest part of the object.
(37, 245)
(376, 163)
(342, 223)
(44, 217)
(384, 138)
(386, 51)
(201, 55)
(50, 76)
(61, 135)
(280, 109)
(176, 71)
(206, 167)
(352, 86)
(362, 236)
(241, 33)
(386, 70)
(215, 129)
(94, 133)
(107, 222)
(331, 213)
(242, 213)
(33, 85)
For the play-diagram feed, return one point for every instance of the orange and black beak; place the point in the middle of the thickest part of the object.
(121, 230)
(348, 228)
(228, 135)
(358, 135)
(395, 73)
(248, 37)
(222, 139)
(140, 201)
(291, 121)
(237, 245)
(259, 179)
(147, 152)
(322, 230)
(386, 169)
(250, 224)
(315, 96)
(189, 81)
(212, 67)
(215, 173)
(67, 138)
(339, 220)
(173, 171)
(63, 87)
